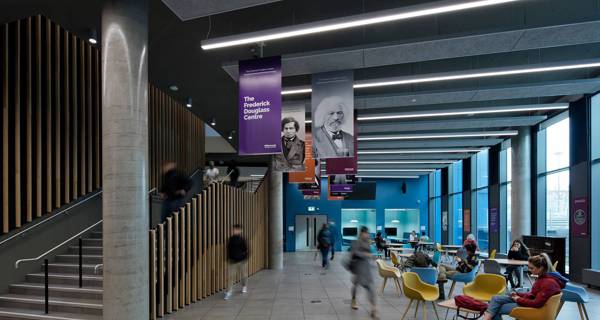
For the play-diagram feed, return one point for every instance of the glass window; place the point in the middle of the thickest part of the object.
(482, 219)
(509, 164)
(557, 207)
(457, 169)
(457, 222)
(482, 169)
(595, 117)
(595, 203)
(438, 219)
(508, 217)
(557, 145)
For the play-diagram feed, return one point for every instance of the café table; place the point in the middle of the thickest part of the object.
(513, 262)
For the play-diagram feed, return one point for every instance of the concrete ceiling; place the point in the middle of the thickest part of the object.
(522, 33)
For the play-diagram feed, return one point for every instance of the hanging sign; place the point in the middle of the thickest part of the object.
(293, 138)
(579, 217)
(259, 106)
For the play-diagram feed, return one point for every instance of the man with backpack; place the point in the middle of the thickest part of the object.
(324, 239)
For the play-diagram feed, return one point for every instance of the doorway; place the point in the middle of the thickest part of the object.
(307, 228)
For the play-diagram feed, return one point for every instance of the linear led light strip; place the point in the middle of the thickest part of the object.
(388, 177)
(494, 72)
(441, 135)
(404, 151)
(408, 162)
(396, 170)
(347, 22)
(460, 112)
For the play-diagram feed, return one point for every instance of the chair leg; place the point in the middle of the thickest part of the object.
(585, 311)
(417, 308)
(435, 310)
(560, 305)
(580, 311)
(407, 308)
(451, 289)
(397, 288)
(383, 286)
(399, 285)
(424, 310)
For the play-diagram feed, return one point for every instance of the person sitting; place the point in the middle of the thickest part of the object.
(424, 237)
(471, 239)
(549, 283)
(518, 251)
(381, 244)
(418, 259)
(464, 265)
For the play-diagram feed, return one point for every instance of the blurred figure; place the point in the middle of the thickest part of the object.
(471, 239)
(381, 244)
(518, 251)
(212, 173)
(233, 173)
(424, 237)
(174, 188)
(360, 266)
(324, 239)
(333, 237)
(237, 255)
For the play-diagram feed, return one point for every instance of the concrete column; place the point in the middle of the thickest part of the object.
(125, 159)
(275, 220)
(521, 183)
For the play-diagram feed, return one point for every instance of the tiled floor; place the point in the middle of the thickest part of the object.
(304, 291)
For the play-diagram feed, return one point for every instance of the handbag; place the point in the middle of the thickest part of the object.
(470, 303)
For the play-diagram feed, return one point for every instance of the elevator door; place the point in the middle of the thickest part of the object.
(307, 228)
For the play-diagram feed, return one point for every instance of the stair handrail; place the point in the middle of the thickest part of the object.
(58, 246)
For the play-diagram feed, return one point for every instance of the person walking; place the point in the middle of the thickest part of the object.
(360, 267)
(324, 239)
(237, 255)
(174, 188)
(233, 172)
(333, 236)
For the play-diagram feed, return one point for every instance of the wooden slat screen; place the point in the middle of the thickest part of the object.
(51, 122)
(209, 216)
(41, 135)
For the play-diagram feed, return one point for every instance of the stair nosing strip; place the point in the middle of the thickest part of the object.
(38, 316)
(55, 302)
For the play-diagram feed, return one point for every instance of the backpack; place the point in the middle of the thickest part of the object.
(467, 302)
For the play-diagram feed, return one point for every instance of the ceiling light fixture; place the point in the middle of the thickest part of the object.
(460, 112)
(231, 133)
(189, 103)
(441, 135)
(485, 73)
(93, 36)
(173, 87)
(348, 22)
(405, 151)
(213, 121)
(387, 177)
(396, 170)
(409, 162)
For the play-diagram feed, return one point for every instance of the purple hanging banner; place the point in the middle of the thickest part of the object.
(579, 217)
(260, 106)
(494, 220)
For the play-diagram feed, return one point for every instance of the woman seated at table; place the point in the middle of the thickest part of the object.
(381, 244)
(518, 251)
(549, 283)
(464, 265)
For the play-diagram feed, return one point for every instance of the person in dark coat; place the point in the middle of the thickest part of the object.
(237, 255)
(333, 232)
(292, 156)
(360, 255)
(518, 251)
(174, 188)
(324, 239)
(233, 172)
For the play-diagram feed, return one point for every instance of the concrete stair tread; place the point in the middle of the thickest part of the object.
(65, 288)
(67, 264)
(66, 276)
(83, 255)
(58, 301)
(14, 313)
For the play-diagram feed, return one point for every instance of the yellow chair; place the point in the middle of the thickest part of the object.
(415, 289)
(493, 255)
(485, 286)
(395, 261)
(387, 272)
(548, 311)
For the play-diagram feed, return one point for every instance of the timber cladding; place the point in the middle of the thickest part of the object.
(51, 122)
(196, 263)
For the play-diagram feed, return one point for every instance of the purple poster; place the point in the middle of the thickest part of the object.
(579, 217)
(260, 106)
(494, 227)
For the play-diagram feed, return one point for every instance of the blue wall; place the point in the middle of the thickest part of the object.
(389, 195)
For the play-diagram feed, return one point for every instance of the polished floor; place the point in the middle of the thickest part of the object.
(304, 291)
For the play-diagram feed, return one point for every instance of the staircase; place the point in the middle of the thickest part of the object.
(66, 300)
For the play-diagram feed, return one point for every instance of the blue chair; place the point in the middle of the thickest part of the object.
(463, 277)
(427, 275)
(407, 246)
(573, 293)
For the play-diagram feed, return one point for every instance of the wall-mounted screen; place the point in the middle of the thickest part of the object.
(391, 232)
(363, 191)
(350, 232)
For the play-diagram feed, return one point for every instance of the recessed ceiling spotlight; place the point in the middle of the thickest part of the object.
(213, 121)
(93, 36)
(231, 133)
(349, 22)
(189, 103)
(173, 87)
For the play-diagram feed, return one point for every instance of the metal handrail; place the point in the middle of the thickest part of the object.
(56, 247)
(23, 232)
